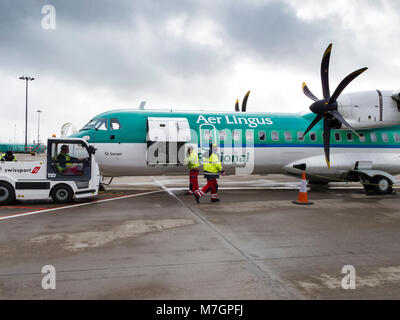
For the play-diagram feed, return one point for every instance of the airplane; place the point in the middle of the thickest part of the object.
(346, 137)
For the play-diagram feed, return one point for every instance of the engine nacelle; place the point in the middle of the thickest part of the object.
(396, 95)
(370, 109)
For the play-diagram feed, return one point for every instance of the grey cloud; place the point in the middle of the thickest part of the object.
(99, 42)
(91, 42)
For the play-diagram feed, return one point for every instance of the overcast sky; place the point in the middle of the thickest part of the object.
(197, 54)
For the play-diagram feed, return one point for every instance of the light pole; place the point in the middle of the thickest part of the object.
(26, 108)
(38, 127)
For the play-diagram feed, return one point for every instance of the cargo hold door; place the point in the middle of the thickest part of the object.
(166, 139)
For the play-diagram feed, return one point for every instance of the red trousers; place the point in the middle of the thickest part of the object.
(212, 185)
(193, 180)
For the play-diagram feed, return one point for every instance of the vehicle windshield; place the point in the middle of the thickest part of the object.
(99, 124)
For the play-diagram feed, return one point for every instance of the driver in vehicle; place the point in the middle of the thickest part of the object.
(65, 163)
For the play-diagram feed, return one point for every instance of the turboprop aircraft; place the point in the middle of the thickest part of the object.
(358, 138)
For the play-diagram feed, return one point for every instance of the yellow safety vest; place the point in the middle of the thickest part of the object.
(67, 164)
(212, 164)
(193, 160)
(3, 157)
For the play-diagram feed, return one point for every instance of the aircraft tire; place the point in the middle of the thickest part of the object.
(369, 189)
(382, 185)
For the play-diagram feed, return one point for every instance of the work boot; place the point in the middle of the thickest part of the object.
(197, 197)
(215, 200)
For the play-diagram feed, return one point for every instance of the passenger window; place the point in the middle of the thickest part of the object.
(349, 137)
(338, 137)
(222, 135)
(313, 136)
(249, 135)
(261, 135)
(114, 124)
(396, 137)
(236, 135)
(373, 137)
(288, 136)
(300, 135)
(275, 136)
(362, 137)
(385, 137)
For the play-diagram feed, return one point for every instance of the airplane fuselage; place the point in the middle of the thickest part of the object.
(249, 143)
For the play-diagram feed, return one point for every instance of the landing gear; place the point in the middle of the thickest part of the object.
(378, 185)
(318, 182)
(382, 185)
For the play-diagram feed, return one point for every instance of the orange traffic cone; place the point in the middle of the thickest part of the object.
(303, 199)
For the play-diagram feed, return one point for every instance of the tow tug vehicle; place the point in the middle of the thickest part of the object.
(63, 181)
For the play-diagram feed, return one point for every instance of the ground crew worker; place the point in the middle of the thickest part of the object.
(192, 161)
(8, 156)
(63, 162)
(212, 169)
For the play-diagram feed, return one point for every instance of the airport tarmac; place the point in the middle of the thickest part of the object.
(145, 239)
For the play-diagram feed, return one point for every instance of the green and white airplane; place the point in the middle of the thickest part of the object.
(358, 138)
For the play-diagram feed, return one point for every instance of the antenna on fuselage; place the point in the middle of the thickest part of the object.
(142, 104)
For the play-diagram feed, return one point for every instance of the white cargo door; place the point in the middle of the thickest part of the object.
(183, 130)
(168, 129)
(166, 139)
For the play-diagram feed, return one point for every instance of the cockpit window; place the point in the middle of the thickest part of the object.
(114, 124)
(99, 124)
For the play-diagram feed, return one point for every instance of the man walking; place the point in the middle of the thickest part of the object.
(212, 169)
(192, 161)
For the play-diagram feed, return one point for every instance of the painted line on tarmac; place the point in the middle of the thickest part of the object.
(287, 291)
(77, 205)
(23, 207)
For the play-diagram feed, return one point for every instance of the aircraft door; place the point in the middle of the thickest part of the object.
(208, 135)
(166, 138)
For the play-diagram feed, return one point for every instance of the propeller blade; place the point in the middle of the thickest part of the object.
(308, 93)
(327, 141)
(315, 121)
(338, 116)
(244, 103)
(325, 72)
(237, 106)
(345, 83)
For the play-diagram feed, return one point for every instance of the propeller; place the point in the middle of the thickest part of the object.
(244, 103)
(327, 108)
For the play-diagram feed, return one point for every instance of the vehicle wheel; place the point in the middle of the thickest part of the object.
(62, 194)
(7, 194)
(382, 185)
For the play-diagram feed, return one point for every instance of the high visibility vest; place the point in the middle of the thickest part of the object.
(212, 164)
(67, 164)
(3, 158)
(193, 160)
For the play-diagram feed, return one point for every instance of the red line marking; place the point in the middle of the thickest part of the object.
(20, 207)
